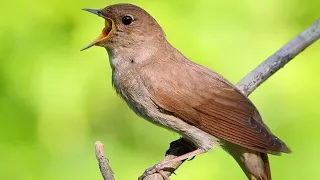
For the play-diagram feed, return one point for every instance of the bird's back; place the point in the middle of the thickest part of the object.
(206, 100)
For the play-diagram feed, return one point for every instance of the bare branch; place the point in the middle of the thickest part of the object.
(104, 167)
(275, 62)
(247, 85)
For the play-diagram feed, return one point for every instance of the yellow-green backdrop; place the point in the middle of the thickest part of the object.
(56, 101)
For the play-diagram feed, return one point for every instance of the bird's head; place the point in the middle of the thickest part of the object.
(127, 26)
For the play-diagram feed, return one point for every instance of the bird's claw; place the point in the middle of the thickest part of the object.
(155, 169)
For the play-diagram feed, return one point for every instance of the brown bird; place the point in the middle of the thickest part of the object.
(164, 87)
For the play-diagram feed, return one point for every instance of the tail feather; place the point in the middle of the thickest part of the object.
(255, 164)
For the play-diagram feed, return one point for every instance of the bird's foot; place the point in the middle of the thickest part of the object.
(161, 167)
(158, 168)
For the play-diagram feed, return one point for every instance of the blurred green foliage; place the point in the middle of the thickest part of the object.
(56, 101)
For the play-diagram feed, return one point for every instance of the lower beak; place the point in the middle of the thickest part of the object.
(106, 32)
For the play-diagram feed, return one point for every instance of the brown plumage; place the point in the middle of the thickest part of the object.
(164, 87)
(204, 99)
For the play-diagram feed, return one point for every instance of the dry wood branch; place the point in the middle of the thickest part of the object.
(103, 161)
(247, 85)
(280, 58)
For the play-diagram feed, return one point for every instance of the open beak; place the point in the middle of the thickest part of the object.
(106, 32)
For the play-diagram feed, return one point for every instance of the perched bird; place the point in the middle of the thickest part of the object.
(164, 87)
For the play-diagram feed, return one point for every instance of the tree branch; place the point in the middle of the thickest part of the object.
(247, 85)
(275, 62)
(103, 161)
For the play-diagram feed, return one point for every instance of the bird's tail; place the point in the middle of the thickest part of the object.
(254, 164)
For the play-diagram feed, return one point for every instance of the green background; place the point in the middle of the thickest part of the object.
(56, 101)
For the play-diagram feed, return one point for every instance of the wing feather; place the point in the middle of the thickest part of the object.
(204, 99)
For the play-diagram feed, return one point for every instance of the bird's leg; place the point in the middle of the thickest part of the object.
(158, 167)
(180, 158)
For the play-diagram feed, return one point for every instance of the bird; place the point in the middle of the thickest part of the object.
(164, 87)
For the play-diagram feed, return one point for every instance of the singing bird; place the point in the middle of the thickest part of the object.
(164, 87)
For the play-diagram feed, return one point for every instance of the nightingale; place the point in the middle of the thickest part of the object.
(164, 87)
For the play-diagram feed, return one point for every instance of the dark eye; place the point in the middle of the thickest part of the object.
(127, 20)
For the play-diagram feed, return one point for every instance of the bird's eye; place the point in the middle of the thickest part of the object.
(127, 20)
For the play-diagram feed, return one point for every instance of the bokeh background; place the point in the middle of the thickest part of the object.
(56, 101)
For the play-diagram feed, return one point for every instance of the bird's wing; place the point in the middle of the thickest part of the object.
(204, 99)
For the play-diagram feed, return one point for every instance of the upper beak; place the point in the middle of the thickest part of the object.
(94, 11)
(109, 26)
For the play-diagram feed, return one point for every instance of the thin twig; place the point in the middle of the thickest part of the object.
(280, 58)
(104, 167)
(247, 85)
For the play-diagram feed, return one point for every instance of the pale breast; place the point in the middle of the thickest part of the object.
(130, 88)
